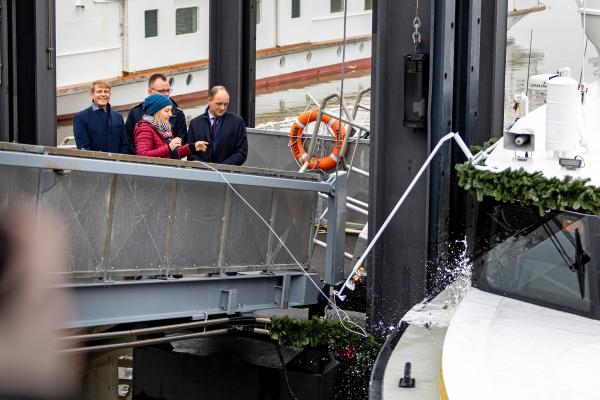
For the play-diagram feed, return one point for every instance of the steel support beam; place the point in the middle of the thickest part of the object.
(232, 53)
(336, 230)
(5, 94)
(397, 271)
(478, 92)
(442, 104)
(467, 60)
(466, 110)
(32, 75)
(493, 62)
(198, 298)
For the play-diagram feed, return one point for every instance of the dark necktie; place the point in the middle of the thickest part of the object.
(213, 128)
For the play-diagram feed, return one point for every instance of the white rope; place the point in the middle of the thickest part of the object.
(447, 137)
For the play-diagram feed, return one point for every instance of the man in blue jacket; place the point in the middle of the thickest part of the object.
(157, 84)
(98, 127)
(224, 130)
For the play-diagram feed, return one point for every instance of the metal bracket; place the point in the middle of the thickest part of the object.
(47, 180)
(336, 235)
(229, 301)
(282, 293)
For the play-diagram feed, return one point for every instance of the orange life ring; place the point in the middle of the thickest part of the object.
(324, 163)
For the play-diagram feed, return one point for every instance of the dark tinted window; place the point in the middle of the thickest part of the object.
(186, 20)
(295, 8)
(337, 6)
(150, 23)
(546, 259)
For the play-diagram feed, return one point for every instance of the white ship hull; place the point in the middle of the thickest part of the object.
(519, 9)
(127, 41)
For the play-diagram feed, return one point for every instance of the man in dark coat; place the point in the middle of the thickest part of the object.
(224, 130)
(157, 84)
(98, 127)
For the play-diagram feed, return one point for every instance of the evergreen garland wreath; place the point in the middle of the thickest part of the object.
(530, 189)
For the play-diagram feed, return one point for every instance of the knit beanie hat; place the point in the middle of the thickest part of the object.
(156, 102)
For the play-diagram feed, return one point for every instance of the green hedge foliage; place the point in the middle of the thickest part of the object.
(330, 334)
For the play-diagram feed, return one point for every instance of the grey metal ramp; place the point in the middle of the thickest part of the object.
(135, 216)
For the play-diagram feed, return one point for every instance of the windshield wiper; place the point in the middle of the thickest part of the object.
(578, 266)
(581, 257)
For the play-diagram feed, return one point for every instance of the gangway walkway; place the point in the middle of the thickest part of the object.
(191, 245)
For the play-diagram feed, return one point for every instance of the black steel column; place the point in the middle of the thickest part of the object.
(466, 92)
(466, 110)
(479, 92)
(232, 53)
(34, 72)
(441, 123)
(397, 270)
(27, 72)
(5, 118)
(493, 62)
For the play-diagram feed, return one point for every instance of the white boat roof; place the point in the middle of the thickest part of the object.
(544, 161)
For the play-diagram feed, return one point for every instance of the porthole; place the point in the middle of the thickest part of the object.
(361, 47)
(309, 56)
(281, 62)
(339, 51)
(171, 81)
(188, 79)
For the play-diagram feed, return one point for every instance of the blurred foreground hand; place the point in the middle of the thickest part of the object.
(32, 253)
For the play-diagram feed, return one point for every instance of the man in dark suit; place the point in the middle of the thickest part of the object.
(224, 130)
(157, 84)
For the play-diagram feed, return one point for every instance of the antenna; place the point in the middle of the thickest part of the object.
(583, 61)
(584, 10)
(529, 62)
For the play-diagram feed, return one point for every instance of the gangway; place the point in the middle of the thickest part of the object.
(156, 239)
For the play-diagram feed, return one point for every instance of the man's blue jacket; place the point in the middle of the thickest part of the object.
(99, 130)
(230, 145)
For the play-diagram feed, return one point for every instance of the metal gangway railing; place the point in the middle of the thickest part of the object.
(348, 118)
(355, 131)
(158, 239)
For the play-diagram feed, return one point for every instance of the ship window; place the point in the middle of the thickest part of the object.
(368, 4)
(337, 6)
(295, 8)
(150, 23)
(258, 11)
(186, 20)
(541, 259)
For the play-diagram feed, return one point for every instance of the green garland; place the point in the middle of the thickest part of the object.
(476, 148)
(319, 332)
(527, 188)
